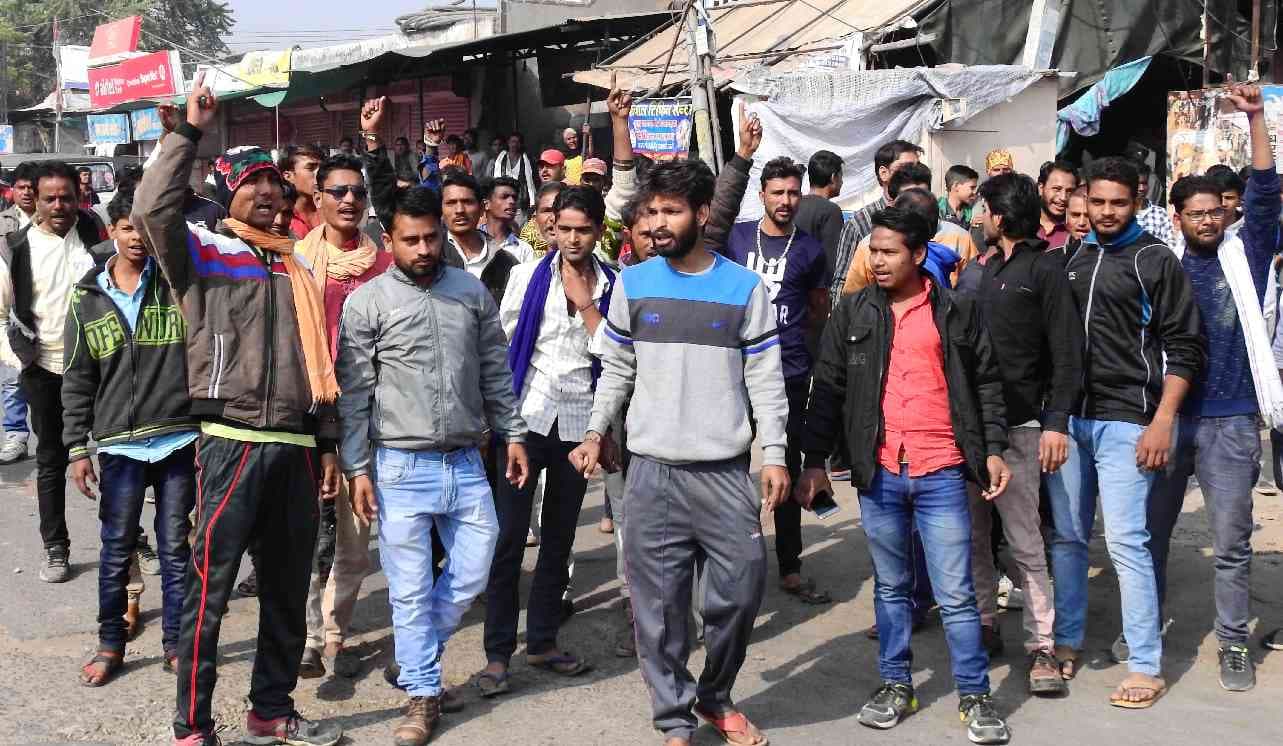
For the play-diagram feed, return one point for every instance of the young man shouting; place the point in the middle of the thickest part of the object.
(499, 202)
(691, 337)
(126, 384)
(1218, 438)
(416, 336)
(933, 419)
(262, 384)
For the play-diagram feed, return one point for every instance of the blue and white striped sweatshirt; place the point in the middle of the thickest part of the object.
(695, 352)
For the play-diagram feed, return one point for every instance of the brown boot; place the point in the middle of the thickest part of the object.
(1044, 674)
(421, 714)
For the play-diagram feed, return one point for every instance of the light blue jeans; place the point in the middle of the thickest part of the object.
(417, 490)
(15, 402)
(1102, 460)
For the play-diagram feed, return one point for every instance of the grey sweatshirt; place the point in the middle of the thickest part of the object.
(694, 352)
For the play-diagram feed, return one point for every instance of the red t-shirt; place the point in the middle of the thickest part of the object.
(915, 404)
(337, 291)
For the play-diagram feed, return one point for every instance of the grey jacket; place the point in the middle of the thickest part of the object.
(422, 368)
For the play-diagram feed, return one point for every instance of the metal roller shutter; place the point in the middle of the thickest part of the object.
(258, 132)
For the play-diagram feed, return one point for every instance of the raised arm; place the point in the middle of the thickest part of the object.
(162, 192)
(378, 169)
(623, 173)
(732, 183)
(1261, 205)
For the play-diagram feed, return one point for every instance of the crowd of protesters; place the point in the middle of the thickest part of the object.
(433, 344)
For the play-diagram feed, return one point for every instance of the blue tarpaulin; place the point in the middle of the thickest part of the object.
(1085, 112)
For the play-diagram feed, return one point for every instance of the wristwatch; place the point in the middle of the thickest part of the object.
(592, 436)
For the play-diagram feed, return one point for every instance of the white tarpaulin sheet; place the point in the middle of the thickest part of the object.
(853, 113)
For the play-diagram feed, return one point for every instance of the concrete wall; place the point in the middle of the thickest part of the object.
(1025, 126)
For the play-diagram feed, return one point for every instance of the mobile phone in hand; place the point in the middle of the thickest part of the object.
(823, 505)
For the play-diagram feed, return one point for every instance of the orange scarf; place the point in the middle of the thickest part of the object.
(328, 260)
(309, 308)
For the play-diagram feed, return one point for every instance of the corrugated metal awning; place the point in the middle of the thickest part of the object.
(748, 34)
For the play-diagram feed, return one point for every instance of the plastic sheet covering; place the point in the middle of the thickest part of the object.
(853, 113)
(1085, 112)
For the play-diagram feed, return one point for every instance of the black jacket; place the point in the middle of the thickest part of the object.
(1140, 321)
(1032, 320)
(22, 335)
(850, 378)
(495, 275)
(121, 385)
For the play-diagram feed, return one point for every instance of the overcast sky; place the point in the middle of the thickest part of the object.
(276, 24)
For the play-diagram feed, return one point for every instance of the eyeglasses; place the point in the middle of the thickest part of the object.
(1197, 216)
(339, 192)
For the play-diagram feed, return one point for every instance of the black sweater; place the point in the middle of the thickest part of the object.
(1030, 313)
(1140, 322)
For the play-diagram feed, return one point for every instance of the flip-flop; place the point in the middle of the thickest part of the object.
(734, 723)
(1143, 684)
(498, 683)
(1069, 660)
(576, 665)
(113, 661)
(806, 593)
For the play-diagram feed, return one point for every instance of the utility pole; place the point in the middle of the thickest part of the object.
(700, 56)
(4, 82)
(1253, 72)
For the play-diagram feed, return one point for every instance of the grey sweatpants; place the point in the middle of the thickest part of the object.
(677, 515)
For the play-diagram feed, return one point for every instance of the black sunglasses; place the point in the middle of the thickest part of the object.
(339, 192)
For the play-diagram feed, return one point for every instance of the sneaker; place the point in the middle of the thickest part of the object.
(14, 448)
(983, 723)
(890, 704)
(421, 714)
(292, 729)
(1044, 674)
(347, 663)
(1274, 640)
(1238, 673)
(57, 567)
(148, 562)
(991, 638)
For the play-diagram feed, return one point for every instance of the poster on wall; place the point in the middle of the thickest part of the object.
(1204, 129)
(145, 124)
(660, 128)
(6, 139)
(109, 129)
(155, 75)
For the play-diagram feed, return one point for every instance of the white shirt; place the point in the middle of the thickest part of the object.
(558, 386)
(57, 264)
(490, 248)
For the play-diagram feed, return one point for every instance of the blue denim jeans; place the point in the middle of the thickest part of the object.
(416, 491)
(1102, 460)
(15, 406)
(123, 482)
(937, 504)
(1225, 454)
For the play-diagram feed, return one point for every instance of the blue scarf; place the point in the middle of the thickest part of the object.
(1127, 237)
(522, 346)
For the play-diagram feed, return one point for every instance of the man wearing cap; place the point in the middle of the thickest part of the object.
(552, 166)
(575, 156)
(999, 162)
(262, 385)
(593, 174)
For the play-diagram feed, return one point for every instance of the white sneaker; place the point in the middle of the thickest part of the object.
(14, 448)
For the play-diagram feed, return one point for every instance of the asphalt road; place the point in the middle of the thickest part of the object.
(808, 670)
